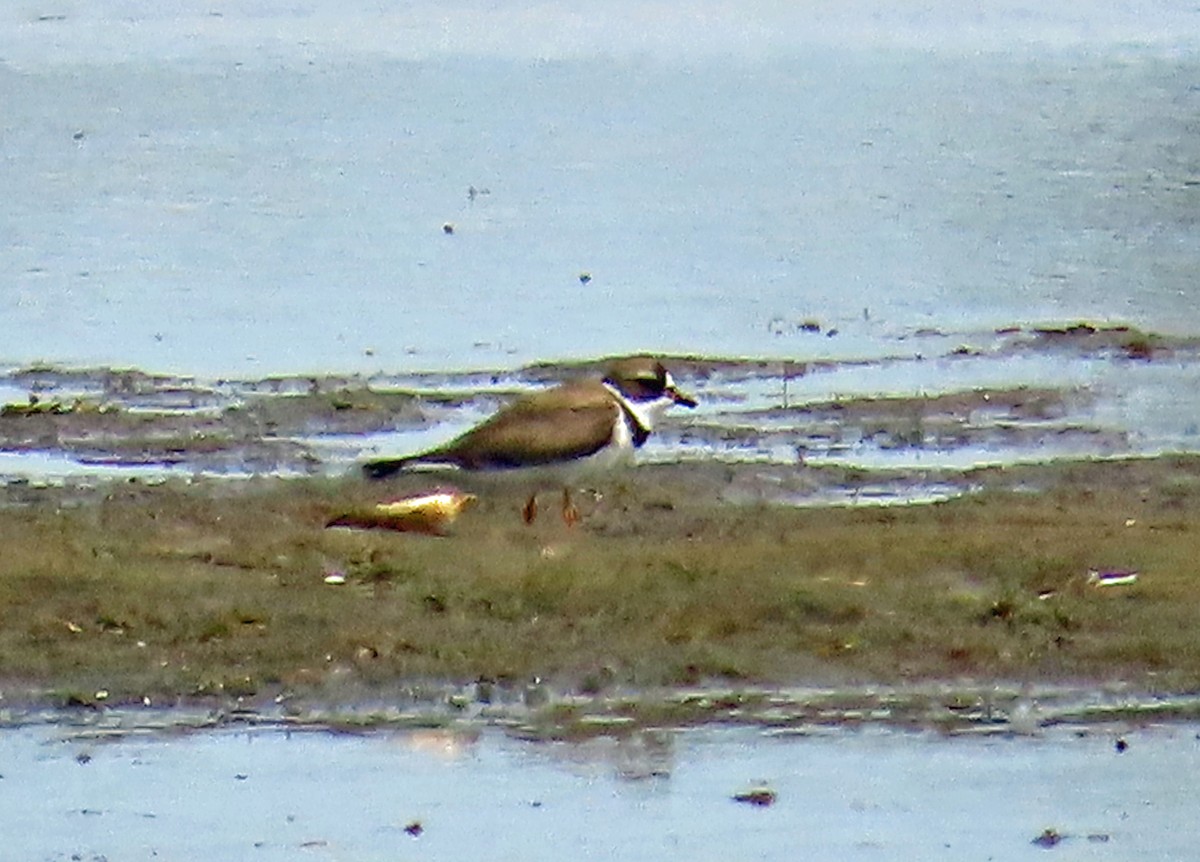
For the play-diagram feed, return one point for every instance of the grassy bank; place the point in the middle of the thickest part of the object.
(213, 588)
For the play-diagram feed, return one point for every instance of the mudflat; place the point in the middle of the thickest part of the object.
(176, 589)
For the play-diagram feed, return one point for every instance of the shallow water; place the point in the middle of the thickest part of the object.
(872, 793)
(262, 189)
(945, 406)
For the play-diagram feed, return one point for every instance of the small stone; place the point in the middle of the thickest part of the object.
(760, 796)
(1049, 838)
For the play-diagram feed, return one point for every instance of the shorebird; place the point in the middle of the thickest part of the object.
(573, 428)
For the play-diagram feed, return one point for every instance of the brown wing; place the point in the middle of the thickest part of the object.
(569, 421)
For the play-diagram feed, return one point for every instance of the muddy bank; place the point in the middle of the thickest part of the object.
(539, 710)
(678, 577)
(135, 567)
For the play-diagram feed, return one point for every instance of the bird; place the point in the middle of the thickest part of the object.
(576, 427)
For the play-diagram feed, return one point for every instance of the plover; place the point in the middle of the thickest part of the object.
(582, 425)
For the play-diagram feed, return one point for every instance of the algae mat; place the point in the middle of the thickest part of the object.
(134, 592)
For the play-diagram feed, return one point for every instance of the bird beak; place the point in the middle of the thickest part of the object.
(681, 398)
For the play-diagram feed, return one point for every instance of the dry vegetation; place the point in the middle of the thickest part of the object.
(219, 588)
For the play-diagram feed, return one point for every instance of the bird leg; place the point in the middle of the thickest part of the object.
(529, 510)
(569, 511)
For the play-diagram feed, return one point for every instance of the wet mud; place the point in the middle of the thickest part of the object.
(1016, 395)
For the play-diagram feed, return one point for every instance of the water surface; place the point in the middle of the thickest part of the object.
(263, 189)
(868, 794)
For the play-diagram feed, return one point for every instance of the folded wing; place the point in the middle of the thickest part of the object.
(559, 424)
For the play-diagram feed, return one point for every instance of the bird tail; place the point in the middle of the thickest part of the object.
(382, 468)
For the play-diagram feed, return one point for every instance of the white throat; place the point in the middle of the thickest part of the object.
(647, 413)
